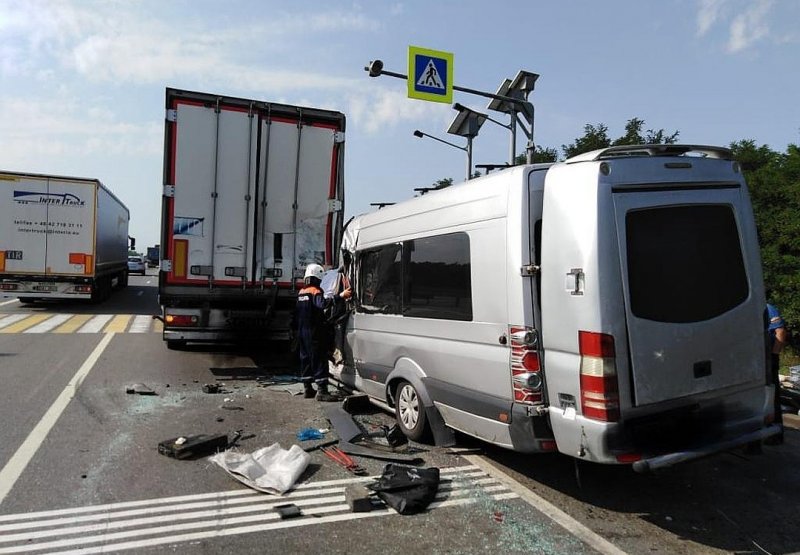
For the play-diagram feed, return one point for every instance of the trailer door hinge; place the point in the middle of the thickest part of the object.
(529, 270)
(334, 205)
(169, 191)
(172, 115)
(338, 137)
(166, 265)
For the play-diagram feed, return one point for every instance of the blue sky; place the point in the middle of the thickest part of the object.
(82, 83)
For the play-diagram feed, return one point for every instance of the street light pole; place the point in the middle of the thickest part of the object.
(467, 149)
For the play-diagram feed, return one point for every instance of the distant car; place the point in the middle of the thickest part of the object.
(136, 265)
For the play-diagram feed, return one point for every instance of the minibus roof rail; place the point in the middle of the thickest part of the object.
(622, 151)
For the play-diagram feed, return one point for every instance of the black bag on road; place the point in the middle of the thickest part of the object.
(406, 489)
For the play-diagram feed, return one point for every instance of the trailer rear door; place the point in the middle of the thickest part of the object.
(688, 302)
(254, 193)
(46, 225)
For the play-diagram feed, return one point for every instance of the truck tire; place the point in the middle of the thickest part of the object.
(26, 300)
(410, 412)
(122, 279)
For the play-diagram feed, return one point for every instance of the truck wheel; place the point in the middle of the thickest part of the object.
(409, 412)
(122, 280)
(26, 300)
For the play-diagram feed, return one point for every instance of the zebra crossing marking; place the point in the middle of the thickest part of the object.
(78, 323)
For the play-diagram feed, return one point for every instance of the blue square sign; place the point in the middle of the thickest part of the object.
(430, 74)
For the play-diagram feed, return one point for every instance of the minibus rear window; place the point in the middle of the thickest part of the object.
(685, 263)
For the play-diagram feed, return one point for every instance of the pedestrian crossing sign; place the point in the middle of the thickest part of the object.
(430, 74)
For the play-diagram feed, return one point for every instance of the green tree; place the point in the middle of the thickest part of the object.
(773, 179)
(596, 137)
(541, 155)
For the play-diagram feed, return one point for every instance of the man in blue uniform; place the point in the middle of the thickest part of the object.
(777, 340)
(313, 333)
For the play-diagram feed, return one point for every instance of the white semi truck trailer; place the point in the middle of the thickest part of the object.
(253, 192)
(60, 238)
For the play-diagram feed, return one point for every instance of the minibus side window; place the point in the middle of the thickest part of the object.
(437, 278)
(380, 280)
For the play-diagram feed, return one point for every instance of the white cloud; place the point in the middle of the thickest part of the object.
(35, 129)
(708, 15)
(747, 21)
(749, 27)
(381, 108)
(125, 42)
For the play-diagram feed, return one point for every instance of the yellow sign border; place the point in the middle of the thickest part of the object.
(413, 52)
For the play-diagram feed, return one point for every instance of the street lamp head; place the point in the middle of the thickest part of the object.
(418, 133)
(375, 68)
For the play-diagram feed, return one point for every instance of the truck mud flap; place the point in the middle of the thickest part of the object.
(670, 459)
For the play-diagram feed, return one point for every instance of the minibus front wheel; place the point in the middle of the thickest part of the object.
(410, 412)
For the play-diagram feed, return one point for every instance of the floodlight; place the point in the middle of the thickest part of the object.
(375, 68)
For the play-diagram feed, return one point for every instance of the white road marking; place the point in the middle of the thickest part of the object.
(50, 323)
(17, 463)
(316, 500)
(11, 318)
(583, 533)
(310, 488)
(95, 325)
(141, 324)
(4, 303)
(139, 293)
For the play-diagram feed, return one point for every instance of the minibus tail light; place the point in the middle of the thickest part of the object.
(526, 376)
(599, 387)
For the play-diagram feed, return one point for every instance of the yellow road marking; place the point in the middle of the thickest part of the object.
(118, 323)
(28, 322)
(73, 323)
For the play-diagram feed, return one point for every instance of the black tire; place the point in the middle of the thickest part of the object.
(26, 300)
(410, 412)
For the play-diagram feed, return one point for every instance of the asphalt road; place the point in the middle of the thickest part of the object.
(88, 477)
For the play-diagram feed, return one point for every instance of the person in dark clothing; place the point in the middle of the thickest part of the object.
(777, 340)
(313, 332)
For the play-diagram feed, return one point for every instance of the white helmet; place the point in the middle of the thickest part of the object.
(314, 270)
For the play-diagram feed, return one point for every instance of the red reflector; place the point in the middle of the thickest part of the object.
(83, 288)
(181, 320)
(628, 458)
(8, 286)
(547, 445)
(530, 361)
(596, 344)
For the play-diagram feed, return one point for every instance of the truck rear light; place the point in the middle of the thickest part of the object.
(599, 387)
(628, 458)
(83, 288)
(181, 320)
(526, 376)
(547, 445)
(8, 286)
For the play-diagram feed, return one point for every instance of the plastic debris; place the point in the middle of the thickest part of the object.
(310, 433)
(139, 389)
(269, 469)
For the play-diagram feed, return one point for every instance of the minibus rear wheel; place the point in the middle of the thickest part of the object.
(410, 412)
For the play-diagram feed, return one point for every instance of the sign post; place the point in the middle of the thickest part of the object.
(430, 75)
